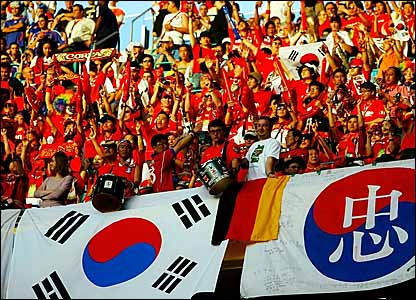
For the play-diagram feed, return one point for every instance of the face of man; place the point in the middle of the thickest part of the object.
(314, 92)
(313, 156)
(339, 78)
(125, 149)
(291, 139)
(28, 74)
(161, 146)
(263, 129)
(252, 83)
(293, 168)
(77, 12)
(352, 125)
(366, 94)
(390, 76)
(5, 73)
(217, 135)
(162, 121)
(107, 126)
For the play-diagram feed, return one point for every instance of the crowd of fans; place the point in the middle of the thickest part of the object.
(152, 115)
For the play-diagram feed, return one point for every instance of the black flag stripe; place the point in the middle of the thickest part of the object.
(191, 209)
(72, 230)
(188, 269)
(50, 290)
(175, 263)
(159, 280)
(179, 211)
(173, 285)
(166, 282)
(66, 226)
(61, 230)
(181, 266)
(59, 223)
(189, 212)
(174, 274)
(38, 292)
(202, 207)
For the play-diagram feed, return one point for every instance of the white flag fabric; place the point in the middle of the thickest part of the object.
(146, 251)
(349, 229)
(294, 56)
(8, 221)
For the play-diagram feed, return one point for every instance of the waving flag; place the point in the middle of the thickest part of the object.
(86, 87)
(76, 251)
(295, 56)
(126, 84)
(345, 230)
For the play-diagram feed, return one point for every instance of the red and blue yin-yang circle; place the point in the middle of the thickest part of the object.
(373, 257)
(121, 251)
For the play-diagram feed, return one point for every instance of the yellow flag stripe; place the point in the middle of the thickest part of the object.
(266, 226)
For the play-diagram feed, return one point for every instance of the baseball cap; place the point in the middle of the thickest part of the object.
(226, 40)
(15, 4)
(356, 62)
(250, 134)
(257, 76)
(109, 144)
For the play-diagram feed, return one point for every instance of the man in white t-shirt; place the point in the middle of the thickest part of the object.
(263, 155)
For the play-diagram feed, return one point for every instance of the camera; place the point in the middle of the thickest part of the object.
(397, 97)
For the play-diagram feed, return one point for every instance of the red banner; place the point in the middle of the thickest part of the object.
(97, 54)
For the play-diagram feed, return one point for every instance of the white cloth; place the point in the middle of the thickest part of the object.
(79, 30)
(343, 35)
(257, 156)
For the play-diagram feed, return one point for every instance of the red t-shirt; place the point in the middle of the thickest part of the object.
(216, 151)
(371, 111)
(381, 19)
(261, 101)
(162, 169)
(200, 52)
(300, 88)
(266, 62)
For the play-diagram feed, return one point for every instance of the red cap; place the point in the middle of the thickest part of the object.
(356, 62)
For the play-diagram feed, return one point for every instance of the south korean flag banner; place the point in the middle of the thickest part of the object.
(151, 251)
(295, 56)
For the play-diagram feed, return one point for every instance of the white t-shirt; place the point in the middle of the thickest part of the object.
(257, 156)
(174, 19)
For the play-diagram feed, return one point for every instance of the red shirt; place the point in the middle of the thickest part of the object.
(371, 111)
(266, 62)
(381, 19)
(162, 169)
(216, 151)
(352, 144)
(261, 100)
(200, 52)
(300, 88)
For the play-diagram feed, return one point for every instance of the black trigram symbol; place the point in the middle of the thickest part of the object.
(186, 208)
(176, 272)
(293, 55)
(321, 51)
(66, 226)
(51, 288)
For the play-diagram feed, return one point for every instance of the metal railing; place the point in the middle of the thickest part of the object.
(137, 18)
